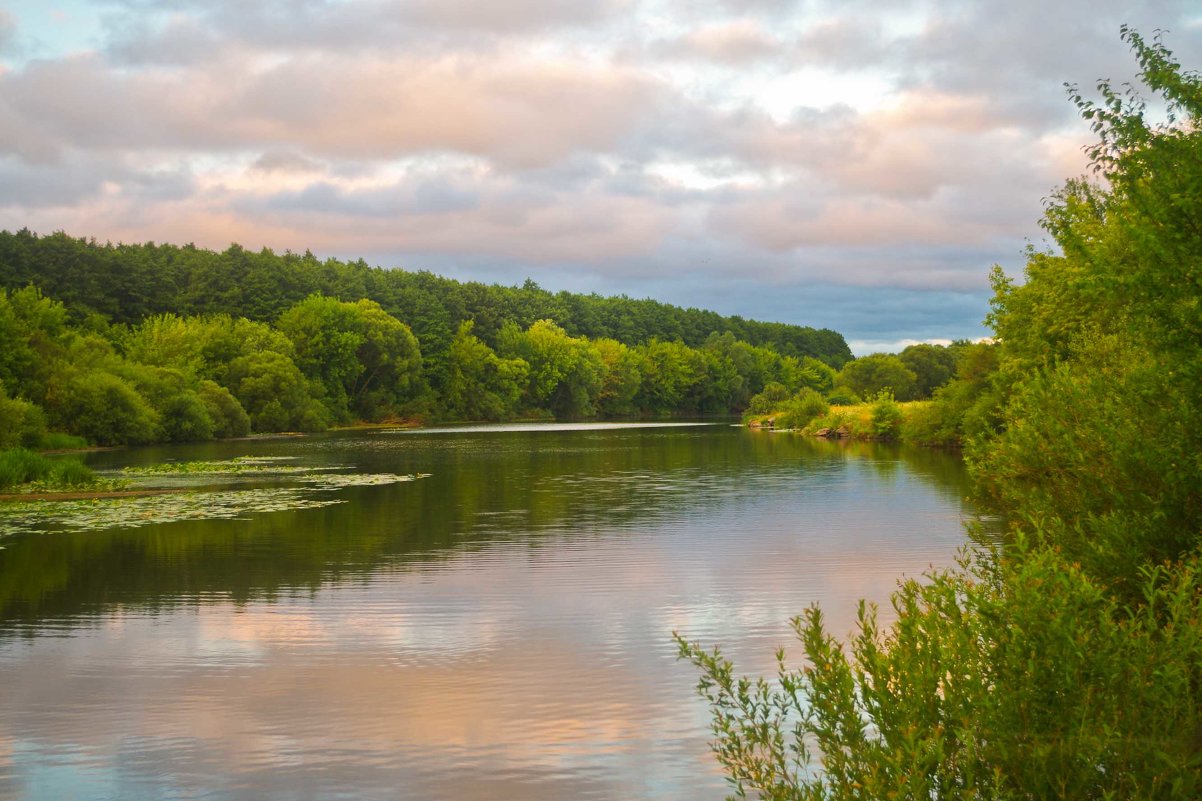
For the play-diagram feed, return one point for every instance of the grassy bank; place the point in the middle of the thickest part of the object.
(23, 470)
(880, 419)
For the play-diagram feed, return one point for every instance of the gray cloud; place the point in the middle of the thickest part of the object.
(620, 146)
(285, 161)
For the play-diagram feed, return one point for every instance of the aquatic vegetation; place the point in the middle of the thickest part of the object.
(235, 466)
(167, 501)
(145, 510)
(331, 481)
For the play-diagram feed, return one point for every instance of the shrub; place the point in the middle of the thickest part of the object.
(185, 418)
(886, 416)
(228, 416)
(842, 396)
(21, 423)
(769, 400)
(1024, 680)
(106, 410)
(800, 410)
(929, 423)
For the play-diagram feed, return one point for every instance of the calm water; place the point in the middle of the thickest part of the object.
(500, 629)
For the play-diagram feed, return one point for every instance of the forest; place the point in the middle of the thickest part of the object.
(1063, 657)
(127, 344)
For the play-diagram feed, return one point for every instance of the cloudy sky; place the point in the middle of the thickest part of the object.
(853, 164)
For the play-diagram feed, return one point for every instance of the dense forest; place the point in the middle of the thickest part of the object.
(140, 343)
(1063, 660)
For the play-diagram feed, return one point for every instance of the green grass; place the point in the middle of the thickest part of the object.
(22, 469)
(858, 419)
(58, 441)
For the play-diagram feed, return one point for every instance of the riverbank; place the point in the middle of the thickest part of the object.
(881, 420)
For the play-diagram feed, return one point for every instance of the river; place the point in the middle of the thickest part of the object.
(459, 613)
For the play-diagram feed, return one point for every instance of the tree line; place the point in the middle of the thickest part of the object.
(1063, 660)
(323, 361)
(126, 283)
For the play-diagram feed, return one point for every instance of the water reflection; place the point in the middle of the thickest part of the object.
(497, 630)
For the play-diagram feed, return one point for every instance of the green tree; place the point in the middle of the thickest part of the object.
(566, 372)
(226, 413)
(22, 424)
(482, 385)
(366, 361)
(932, 365)
(869, 375)
(275, 394)
(667, 377)
(102, 407)
(391, 360)
(326, 337)
(623, 376)
(1066, 662)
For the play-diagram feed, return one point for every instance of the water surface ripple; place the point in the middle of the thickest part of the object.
(498, 630)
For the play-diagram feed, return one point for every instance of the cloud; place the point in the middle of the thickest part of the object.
(629, 146)
(286, 161)
(730, 42)
(524, 113)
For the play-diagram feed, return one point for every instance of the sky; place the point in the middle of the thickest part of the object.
(849, 164)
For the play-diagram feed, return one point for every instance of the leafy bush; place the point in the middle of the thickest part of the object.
(1068, 663)
(228, 416)
(769, 400)
(798, 411)
(1020, 681)
(185, 418)
(21, 423)
(877, 372)
(886, 416)
(842, 396)
(106, 410)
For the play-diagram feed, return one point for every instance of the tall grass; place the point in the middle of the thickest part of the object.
(19, 466)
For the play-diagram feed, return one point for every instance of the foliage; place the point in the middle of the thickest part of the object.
(622, 378)
(565, 372)
(275, 394)
(886, 415)
(869, 375)
(226, 413)
(798, 411)
(932, 365)
(128, 283)
(21, 423)
(482, 385)
(770, 399)
(842, 396)
(817, 375)
(19, 466)
(104, 408)
(1067, 663)
(210, 344)
(1024, 680)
